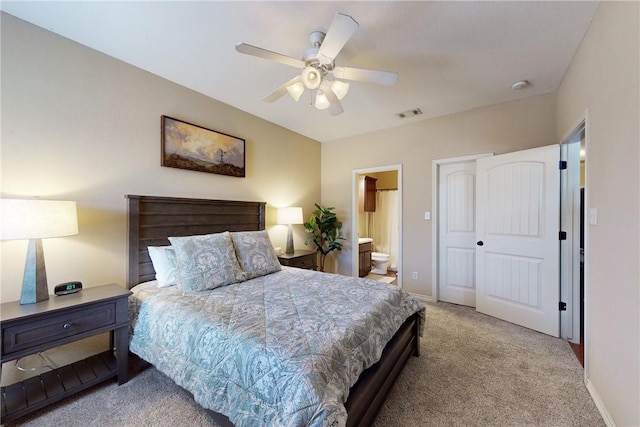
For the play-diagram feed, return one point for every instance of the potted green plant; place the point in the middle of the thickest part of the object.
(325, 229)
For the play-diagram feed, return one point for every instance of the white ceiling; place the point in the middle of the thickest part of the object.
(450, 56)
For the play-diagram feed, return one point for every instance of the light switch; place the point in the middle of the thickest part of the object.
(427, 215)
(593, 216)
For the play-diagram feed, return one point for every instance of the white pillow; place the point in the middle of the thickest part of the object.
(164, 263)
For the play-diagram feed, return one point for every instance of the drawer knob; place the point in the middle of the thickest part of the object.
(66, 325)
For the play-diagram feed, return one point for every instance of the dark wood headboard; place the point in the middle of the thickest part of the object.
(152, 220)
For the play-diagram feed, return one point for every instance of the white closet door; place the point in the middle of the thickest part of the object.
(457, 233)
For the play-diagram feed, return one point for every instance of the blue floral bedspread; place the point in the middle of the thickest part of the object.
(279, 350)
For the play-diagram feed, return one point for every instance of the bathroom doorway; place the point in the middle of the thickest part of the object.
(383, 225)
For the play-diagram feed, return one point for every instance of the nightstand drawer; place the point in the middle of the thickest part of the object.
(303, 262)
(32, 334)
(300, 259)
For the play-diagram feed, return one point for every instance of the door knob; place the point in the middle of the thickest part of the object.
(480, 243)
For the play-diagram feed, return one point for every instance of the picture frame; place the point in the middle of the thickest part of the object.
(193, 147)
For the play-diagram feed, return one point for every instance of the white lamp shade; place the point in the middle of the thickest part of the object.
(295, 90)
(340, 88)
(37, 219)
(322, 103)
(288, 216)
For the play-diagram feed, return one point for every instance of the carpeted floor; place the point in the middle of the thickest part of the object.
(474, 370)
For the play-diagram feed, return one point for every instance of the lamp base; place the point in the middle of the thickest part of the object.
(289, 249)
(34, 283)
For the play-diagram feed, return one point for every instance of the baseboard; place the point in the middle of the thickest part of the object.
(606, 417)
(422, 298)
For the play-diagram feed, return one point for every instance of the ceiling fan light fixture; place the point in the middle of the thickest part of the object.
(340, 88)
(296, 90)
(322, 103)
(311, 77)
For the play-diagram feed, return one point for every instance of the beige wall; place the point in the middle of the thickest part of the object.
(604, 78)
(385, 180)
(79, 125)
(502, 128)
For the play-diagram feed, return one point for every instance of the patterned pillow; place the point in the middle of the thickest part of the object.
(255, 253)
(206, 262)
(163, 259)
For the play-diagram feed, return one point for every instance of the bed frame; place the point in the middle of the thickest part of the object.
(151, 220)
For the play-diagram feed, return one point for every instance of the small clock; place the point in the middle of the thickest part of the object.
(68, 288)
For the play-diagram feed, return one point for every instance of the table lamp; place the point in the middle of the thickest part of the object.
(36, 219)
(289, 216)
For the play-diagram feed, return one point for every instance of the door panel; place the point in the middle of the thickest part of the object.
(513, 279)
(456, 256)
(516, 209)
(517, 265)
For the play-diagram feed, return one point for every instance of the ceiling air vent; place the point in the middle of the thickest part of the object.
(410, 113)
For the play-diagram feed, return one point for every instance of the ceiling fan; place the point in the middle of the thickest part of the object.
(320, 75)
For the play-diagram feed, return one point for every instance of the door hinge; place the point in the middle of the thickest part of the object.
(562, 164)
(562, 306)
(563, 235)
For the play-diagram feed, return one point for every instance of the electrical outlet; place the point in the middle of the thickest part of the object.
(415, 275)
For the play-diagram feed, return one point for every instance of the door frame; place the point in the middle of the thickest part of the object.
(583, 121)
(569, 248)
(435, 198)
(354, 216)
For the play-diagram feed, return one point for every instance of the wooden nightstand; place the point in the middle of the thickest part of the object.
(33, 328)
(300, 259)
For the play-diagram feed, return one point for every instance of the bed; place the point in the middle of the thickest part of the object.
(381, 354)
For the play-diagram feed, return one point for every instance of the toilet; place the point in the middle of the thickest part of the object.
(379, 263)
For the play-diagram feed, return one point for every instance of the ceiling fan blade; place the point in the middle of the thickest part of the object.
(386, 78)
(281, 90)
(340, 31)
(335, 105)
(267, 54)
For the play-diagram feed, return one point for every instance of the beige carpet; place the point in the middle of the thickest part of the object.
(474, 371)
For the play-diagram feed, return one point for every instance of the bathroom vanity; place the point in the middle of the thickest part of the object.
(364, 256)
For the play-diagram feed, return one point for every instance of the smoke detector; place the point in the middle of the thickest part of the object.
(520, 84)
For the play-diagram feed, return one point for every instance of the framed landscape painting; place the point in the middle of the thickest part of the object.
(192, 147)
